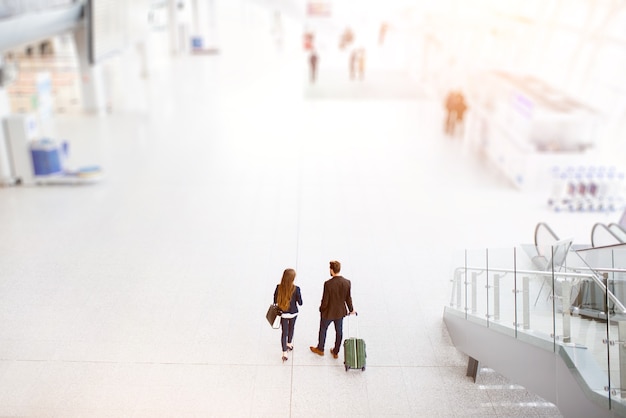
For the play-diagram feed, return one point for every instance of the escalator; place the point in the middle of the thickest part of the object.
(587, 298)
(618, 231)
(612, 237)
(570, 283)
(545, 238)
(27, 21)
(549, 254)
(588, 375)
(603, 235)
(591, 302)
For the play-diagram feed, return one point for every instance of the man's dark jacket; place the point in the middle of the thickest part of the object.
(335, 298)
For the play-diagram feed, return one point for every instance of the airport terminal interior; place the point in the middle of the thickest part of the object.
(205, 163)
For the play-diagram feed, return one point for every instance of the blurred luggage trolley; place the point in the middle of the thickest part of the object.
(27, 158)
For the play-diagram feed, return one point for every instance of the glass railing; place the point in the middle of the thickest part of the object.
(567, 301)
(610, 264)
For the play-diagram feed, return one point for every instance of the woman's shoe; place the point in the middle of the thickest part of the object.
(290, 347)
(285, 359)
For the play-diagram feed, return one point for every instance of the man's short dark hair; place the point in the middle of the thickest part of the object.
(335, 266)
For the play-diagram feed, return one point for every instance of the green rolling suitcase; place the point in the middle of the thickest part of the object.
(354, 351)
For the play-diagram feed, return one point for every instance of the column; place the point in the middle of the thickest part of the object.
(91, 79)
(6, 177)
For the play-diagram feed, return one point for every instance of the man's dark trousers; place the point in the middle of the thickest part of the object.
(324, 323)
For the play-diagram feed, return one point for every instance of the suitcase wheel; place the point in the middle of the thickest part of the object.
(363, 368)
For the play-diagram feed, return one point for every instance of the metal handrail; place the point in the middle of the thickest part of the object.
(544, 225)
(594, 277)
(602, 227)
(618, 230)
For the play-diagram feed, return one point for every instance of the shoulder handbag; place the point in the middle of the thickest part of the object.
(273, 316)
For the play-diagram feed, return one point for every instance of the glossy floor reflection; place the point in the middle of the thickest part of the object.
(144, 295)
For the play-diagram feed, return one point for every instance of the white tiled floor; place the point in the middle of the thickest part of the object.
(144, 295)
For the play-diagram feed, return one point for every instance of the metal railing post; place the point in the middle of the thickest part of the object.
(621, 343)
(526, 302)
(496, 297)
(621, 334)
(459, 289)
(566, 288)
(474, 292)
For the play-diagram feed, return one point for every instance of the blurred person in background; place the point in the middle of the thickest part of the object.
(353, 58)
(384, 27)
(455, 111)
(357, 63)
(346, 38)
(313, 63)
(461, 107)
(361, 63)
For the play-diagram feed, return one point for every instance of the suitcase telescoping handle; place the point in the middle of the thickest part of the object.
(356, 342)
(357, 325)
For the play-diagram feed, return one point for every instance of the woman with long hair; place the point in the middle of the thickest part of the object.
(287, 296)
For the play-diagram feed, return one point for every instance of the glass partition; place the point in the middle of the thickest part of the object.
(536, 306)
(502, 290)
(615, 278)
(609, 299)
(556, 298)
(476, 286)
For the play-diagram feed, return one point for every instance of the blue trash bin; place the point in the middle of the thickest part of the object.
(196, 42)
(46, 157)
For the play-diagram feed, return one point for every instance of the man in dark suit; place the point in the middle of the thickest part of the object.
(336, 303)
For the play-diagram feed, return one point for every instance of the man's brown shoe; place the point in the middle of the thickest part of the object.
(317, 351)
(335, 355)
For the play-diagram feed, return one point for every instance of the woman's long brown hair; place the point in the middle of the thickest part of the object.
(286, 289)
